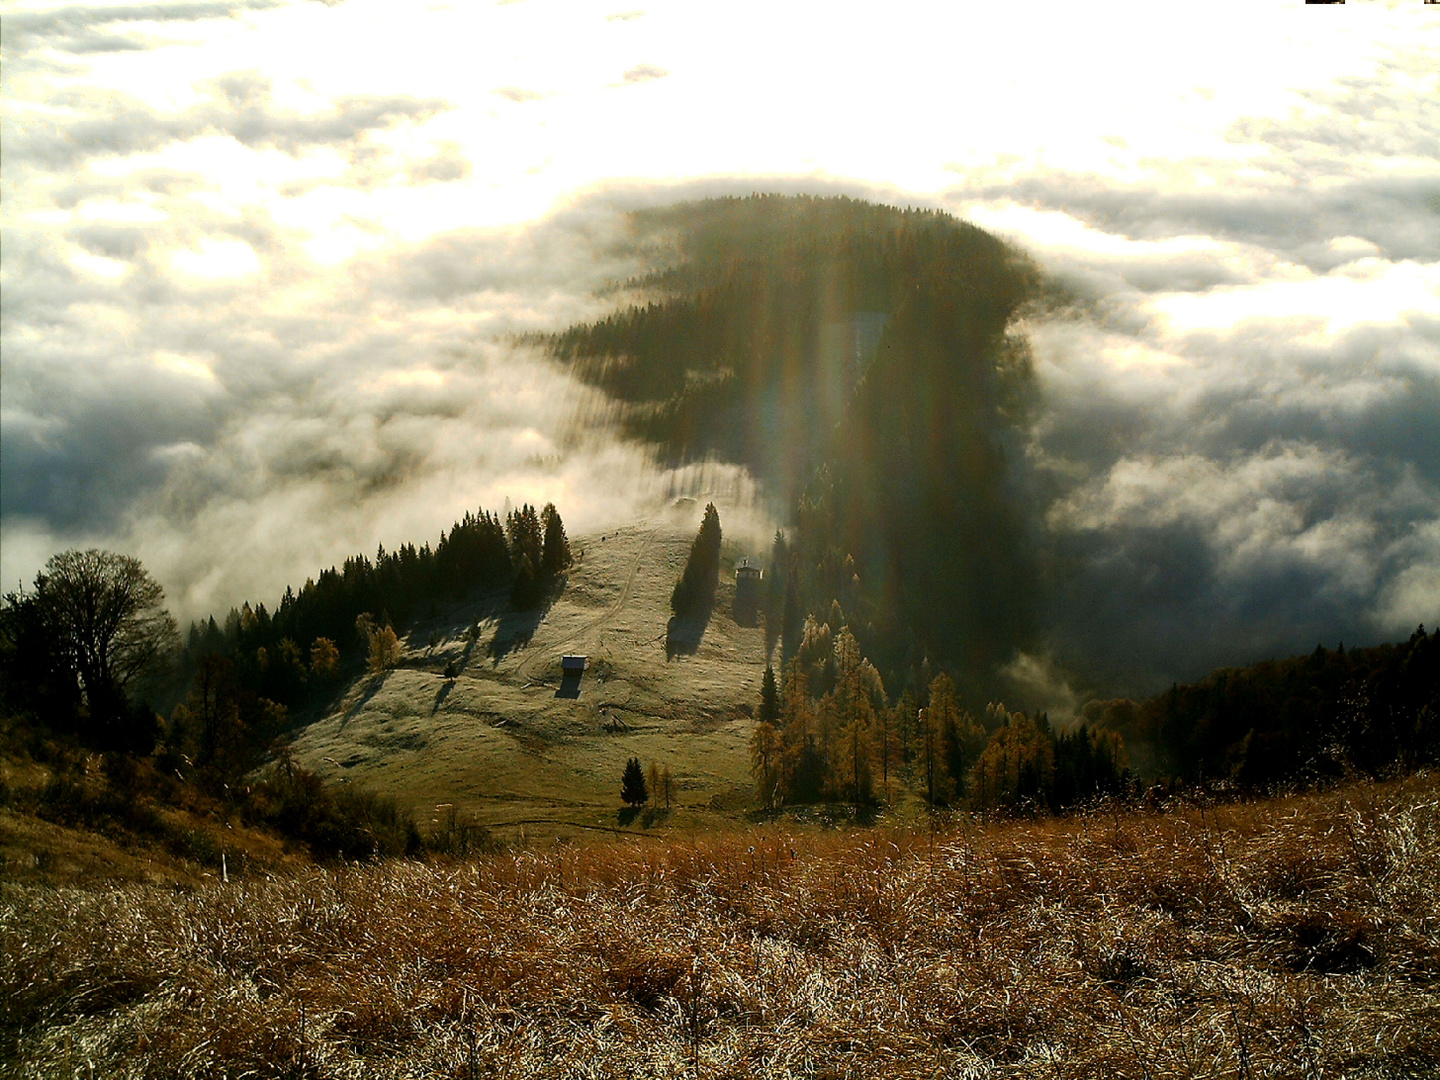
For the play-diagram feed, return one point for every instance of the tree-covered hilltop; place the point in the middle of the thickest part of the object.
(750, 343)
(854, 356)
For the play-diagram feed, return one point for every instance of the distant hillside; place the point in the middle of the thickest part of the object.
(1302, 718)
(856, 358)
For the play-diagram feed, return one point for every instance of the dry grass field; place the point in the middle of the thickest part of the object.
(1296, 937)
(503, 743)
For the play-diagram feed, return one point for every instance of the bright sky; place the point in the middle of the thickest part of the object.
(537, 100)
(235, 226)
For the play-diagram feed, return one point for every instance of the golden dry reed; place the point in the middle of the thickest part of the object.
(1296, 937)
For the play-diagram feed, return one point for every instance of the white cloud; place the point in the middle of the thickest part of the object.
(1412, 595)
(214, 259)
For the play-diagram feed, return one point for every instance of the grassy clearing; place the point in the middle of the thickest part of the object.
(1293, 937)
(500, 742)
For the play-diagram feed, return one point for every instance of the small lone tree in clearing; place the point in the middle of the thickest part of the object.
(632, 786)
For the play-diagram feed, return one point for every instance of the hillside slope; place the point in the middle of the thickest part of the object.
(503, 740)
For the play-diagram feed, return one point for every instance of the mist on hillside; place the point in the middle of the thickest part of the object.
(855, 358)
(267, 445)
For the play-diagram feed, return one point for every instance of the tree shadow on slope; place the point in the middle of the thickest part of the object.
(683, 632)
(514, 630)
(746, 606)
(442, 694)
(377, 680)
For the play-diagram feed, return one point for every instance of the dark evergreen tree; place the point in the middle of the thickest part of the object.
(775, 590)
(769, 697)
(527, 589)
(632, 785)
(694, 593)
(555, 555)
(527, 539)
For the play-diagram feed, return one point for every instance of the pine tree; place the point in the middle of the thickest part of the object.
(526, 539)
(774, 591)
(525, 590)
(632, 785)
(555, 555)
(695, 591)
(769, 697)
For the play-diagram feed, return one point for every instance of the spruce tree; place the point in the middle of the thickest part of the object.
(525, 590)
(695, 591)
(632, 785)
(555, 555)
(769, 697)
(526, 539)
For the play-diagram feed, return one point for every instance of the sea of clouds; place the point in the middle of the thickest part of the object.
(237, 343)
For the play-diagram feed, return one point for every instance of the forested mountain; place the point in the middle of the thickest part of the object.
(856, 358)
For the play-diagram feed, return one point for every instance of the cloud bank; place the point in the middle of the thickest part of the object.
(1240, 429)
(260, 304)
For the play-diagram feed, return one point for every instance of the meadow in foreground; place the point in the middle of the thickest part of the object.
(1298, 936)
